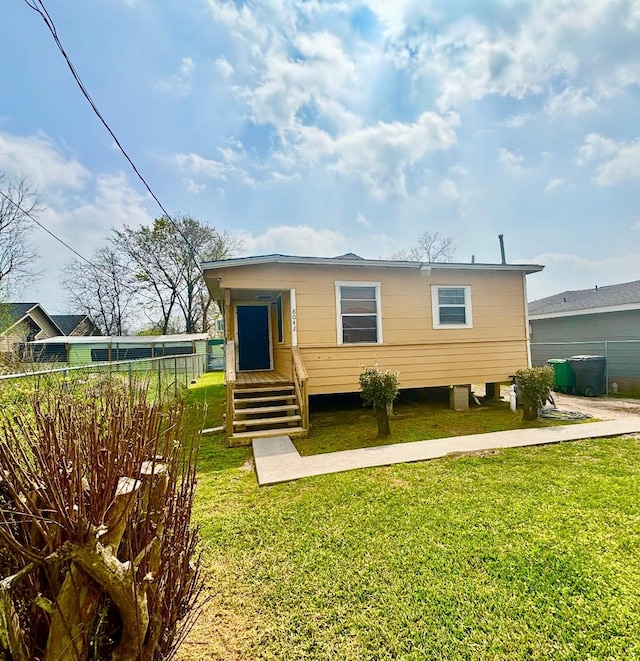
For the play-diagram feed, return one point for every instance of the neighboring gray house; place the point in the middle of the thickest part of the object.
(604, 321)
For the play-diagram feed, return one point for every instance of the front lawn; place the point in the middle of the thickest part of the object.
(342, 423)
(530, 553)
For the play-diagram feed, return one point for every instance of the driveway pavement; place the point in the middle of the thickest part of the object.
(277, 459)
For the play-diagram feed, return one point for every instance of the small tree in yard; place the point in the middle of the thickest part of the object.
(379, 390)
(534, 388)
(98, 555)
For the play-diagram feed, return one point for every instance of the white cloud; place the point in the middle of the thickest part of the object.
(595, 147)
(449, 190)
(224, 170)
(41, 161)
(319, 82)
(295, 240)
(361, 220)
(515, 50)
(571, 102)
(555, 184)
(193, 186)
(180, 83)
(617, 161)
(378, 155)
(202, 166)
(513, 163)
(224, 68)
(518, 121)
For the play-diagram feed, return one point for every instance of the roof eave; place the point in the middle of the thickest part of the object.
(370, 263)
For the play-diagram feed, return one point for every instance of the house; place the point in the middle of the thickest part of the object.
(23, 322)
(302, 326)
(75, 324)
(603, 321)
(83, 350)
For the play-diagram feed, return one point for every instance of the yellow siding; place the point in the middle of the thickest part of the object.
(490, 351)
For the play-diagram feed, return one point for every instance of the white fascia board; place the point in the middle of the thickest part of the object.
(577, 313)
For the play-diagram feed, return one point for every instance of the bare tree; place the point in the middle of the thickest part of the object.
(431, 247)
(17, 254)
(167, 258)
(104, 289)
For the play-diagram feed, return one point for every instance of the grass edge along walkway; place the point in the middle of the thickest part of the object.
(277, 460)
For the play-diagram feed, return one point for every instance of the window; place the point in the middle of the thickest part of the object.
(358, 313)
(451, 306)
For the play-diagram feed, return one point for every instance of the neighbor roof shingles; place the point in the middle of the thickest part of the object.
(627, 293)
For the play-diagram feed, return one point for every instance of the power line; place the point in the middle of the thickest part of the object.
(48, 231)
(39, 7)
(73, 250)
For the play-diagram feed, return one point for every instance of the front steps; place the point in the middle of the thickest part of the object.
(263, 411)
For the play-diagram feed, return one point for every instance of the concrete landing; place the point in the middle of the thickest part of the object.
(277, 459)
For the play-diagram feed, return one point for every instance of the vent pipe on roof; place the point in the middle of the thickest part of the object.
(501, 239)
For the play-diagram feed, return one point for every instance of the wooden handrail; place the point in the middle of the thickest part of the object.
(230, 377)
(300, 378)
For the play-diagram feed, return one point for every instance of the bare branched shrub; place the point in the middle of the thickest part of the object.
(98, 555)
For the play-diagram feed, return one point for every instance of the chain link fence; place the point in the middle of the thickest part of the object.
(166, 376)
(623, 357)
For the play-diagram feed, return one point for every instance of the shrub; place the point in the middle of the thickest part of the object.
(99, 555)
(534, 388)
(379, 390)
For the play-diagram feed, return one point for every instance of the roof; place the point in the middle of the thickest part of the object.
(12, 313)
(357, 262)
(612, 298)
(123, 339)
(67, 323)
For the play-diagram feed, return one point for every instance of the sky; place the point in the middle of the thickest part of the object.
(321, 127)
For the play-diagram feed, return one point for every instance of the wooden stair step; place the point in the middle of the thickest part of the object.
(269, 409)
(258, 400)
(274, 388)
(266, 421)
(265, 433)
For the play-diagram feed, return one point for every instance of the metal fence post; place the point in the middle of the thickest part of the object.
(175, 375)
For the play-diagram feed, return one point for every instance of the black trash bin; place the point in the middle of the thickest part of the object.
(590, 374)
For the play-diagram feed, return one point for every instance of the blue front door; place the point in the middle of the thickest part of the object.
(253, 337)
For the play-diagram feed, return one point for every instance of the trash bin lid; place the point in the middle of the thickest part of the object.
(556, 361)
(587, 358)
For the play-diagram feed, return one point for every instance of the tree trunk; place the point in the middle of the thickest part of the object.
(529, 412)
(383, 422)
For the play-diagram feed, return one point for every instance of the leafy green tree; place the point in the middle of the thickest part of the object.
(534, 388)
(379, 390)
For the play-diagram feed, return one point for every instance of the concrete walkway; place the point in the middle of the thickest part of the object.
(277, 459)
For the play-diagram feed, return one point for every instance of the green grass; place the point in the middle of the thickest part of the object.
(529, 553)
(342, 423)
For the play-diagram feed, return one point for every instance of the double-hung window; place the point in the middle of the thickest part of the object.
(358, 313)
(451, 306)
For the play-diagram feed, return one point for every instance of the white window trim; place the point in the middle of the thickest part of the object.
(435, 307)
(352, 283)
